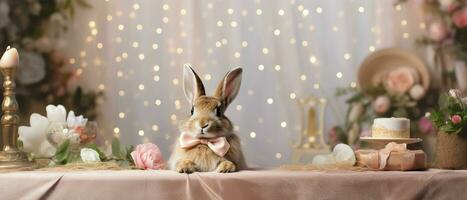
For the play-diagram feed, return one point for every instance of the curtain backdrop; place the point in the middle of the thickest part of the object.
(134, 52)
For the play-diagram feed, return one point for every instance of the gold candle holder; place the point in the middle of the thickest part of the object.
(10, 156)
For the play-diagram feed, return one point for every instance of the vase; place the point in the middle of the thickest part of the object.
(461, 74)
(451, 150)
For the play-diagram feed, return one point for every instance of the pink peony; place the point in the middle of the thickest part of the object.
(147, 156)
(460, 18)
(400, 80)
(438, 31)
(455, 119)
(382, 104)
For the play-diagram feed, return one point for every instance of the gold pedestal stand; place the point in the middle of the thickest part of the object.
(10, 156)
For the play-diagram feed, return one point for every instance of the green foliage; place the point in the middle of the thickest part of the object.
(62, 154)
(448, 107)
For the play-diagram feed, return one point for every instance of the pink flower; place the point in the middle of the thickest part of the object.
(400, 80)
(455, 119)
(438, 31)
(460, 18)
(147, 156)
(425, 125)
(382, 104)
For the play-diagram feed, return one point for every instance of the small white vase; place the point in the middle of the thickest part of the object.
(461, 74)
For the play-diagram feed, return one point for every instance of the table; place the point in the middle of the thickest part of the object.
(272, 184)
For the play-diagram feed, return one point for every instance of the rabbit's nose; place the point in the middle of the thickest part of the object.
(205, 126)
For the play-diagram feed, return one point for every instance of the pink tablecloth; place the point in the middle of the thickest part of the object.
(432, 184)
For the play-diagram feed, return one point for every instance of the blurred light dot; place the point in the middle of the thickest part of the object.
(92, 24)
(183, 12)
(141, 133)
(404, 22)
(303, 77)
(339, 74)
(136, 6)
(156, 78)
(141, 56)
(220, 23)
(252, 134)
(347, 56)
(353, 84)
(158, 102)
(265, 50)
(361, 9)
(233, 24)
(305, 12)
(207, 77)
(156, 68)
(121, 93)
(121, 115)
(371, 48)
(277, 67)
(158, 30)
(405, 35)
(277, 32)
(237, 55)
(116, 130)
(141, 87)
(292, 95)
(135, 44)
(422, 25)
(398, 7)
(259, 11)
(230, 11)
(283, 124)
(319, 10)
(260, 67)
(155, 127)
(100, 45)
(270, 101)
(316, 86)
(101, 87)
(165, 20)
(173, 117)
(312, 59)
(238, 107)
(121, 27)
(280, 12)
(175, 81)
(278, 155)
(165, 7)
(139, 27)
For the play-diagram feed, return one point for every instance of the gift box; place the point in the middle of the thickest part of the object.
(391, 160)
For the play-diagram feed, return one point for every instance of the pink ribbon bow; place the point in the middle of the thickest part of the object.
(386, 152)
(218, 145)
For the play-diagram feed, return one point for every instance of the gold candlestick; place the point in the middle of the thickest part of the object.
(10, 156)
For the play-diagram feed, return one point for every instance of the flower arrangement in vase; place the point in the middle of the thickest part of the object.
(45, 75)
(451, 121)
(400, 94)
(446, 33)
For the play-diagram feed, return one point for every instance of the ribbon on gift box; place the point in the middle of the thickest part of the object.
(393, 157)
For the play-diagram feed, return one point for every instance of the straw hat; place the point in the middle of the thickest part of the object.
(376, 66)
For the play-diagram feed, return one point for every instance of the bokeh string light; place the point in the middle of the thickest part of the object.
(134, 50)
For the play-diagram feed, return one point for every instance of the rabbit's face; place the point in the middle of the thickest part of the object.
(207, 119)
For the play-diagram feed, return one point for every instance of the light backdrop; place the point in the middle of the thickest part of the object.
(134, 52)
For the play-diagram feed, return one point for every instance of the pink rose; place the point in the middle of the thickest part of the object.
(460, 18)
(425, 125)
(382, 104)
(438, 31)
(400, 80)
(455, 119)
(147, 156)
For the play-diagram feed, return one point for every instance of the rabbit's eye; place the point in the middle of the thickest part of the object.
(192, 109)
(218, 112)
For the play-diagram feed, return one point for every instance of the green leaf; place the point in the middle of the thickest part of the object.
(19, 144)
(97, 149)
(62, 153)
(116, 149)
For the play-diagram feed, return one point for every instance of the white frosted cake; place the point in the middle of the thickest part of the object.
(391, 128)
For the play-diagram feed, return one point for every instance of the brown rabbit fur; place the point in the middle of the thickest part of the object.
(208, 121)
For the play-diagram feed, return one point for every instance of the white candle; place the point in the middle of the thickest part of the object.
(10, 58)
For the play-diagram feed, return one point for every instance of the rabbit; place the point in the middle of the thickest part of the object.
(207, 141)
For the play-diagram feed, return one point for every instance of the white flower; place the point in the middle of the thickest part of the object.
(342, 154)
(455, 93)
(89, 155)
(417, 92)
(75, 121)
(45, 133)
(4, 14)
(34, 137)
(32, 68)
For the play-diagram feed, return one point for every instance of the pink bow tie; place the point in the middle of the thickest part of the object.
(218, 145)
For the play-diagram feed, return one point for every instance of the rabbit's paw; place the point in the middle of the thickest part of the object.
(186, 166)
(226, 167)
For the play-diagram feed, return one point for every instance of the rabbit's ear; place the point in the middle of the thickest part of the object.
(229, 86)
(192, 85)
